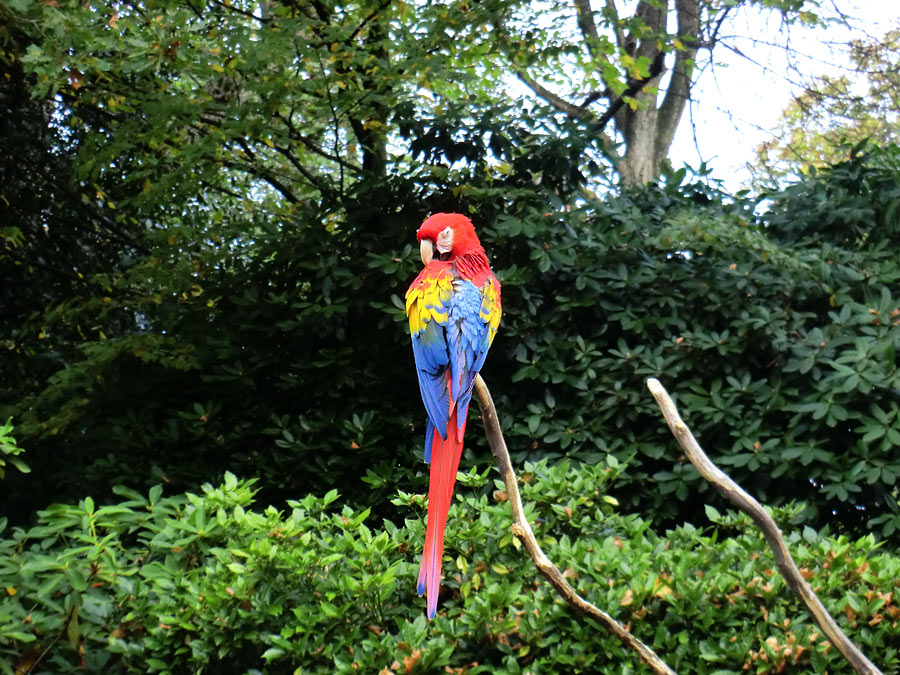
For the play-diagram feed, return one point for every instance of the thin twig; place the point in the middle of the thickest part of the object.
(72, 615)
(522, 530)
(733, 493)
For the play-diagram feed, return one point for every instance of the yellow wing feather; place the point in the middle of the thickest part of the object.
(490, 307)
(428, 300)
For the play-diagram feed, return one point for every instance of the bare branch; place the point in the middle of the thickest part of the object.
(555, 100)
(266, 176)
(585, 17)
(672, 107)
(733, 493)
(302, 170)
(614, 17)
(242, 12)
(371, 17)
(522, 530)
(634, 87)
(12, 255)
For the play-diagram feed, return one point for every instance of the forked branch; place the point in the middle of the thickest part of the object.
(733, 493)
(522, 530)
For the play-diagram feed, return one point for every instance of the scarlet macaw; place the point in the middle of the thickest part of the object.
(454, 311)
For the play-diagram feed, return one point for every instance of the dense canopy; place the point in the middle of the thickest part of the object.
(207, 217)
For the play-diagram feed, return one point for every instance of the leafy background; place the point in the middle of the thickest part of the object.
(207, 219)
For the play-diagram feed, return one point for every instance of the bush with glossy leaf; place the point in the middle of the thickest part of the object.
(777, 334)
(207, 583)
(10, 450)
(774, 323)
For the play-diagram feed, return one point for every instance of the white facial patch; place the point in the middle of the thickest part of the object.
(445, 240)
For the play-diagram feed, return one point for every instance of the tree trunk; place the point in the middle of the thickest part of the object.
(648, 130)
(371, 132)
(638, 125)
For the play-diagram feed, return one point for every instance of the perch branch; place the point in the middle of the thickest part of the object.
(522, 530)
(733, 493)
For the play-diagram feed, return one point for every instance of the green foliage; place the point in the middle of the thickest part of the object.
(829, 121)
(226, 236)
(213, 226)
(9, 450)
(206, 583)
(777, 332)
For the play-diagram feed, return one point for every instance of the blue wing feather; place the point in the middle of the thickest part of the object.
(432, 357)
(429, 437)
(457, 338)
(467, 343)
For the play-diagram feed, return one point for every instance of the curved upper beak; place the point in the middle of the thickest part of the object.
(426, 249)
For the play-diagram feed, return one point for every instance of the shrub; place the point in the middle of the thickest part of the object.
(776, 332)
(9, 450)
(205, 583)
(775, 325)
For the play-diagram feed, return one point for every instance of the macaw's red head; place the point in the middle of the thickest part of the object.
(446, 236)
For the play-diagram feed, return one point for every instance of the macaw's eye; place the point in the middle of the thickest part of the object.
(444, 242)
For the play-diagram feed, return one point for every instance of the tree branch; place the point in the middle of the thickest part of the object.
(375, 12)
(242, 12)
(785, 563)
(672, 106)
(266, 176)
(585, 17)
(313, 147)
(613, 17)
(302, 170)
(583, 113)
(555, 100)
(10, 253)
(522, 530)
(634, 87)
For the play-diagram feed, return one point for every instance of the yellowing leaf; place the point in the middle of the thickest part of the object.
(627, 599)
(72, 630)
(218, 68)
(661, 589)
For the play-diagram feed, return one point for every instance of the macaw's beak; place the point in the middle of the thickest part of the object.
(426, 248)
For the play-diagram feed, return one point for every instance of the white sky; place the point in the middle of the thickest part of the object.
(736, 102)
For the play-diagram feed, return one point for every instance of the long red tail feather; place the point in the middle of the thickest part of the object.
(445, 456)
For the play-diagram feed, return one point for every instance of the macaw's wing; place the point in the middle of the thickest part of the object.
(428, 303)
(490, 313)
(469, 337)
(452, 323)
